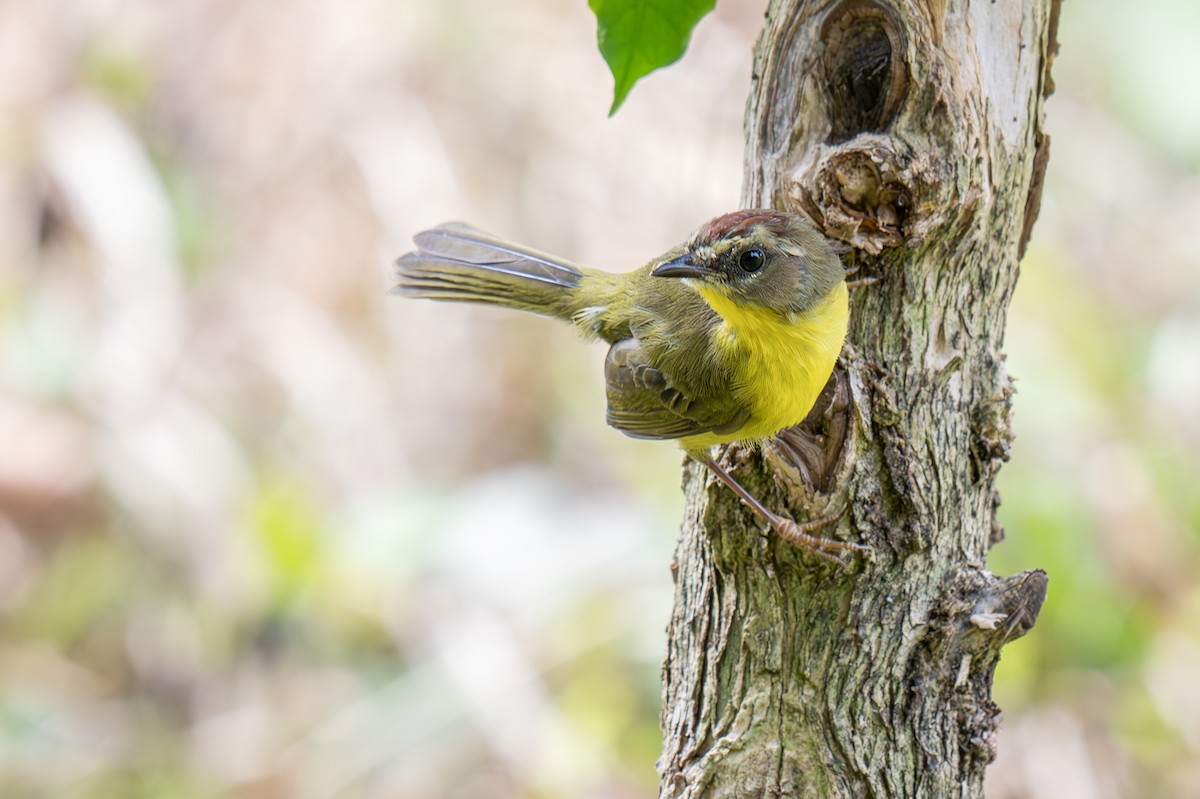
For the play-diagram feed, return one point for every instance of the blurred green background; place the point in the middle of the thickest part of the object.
(265, 532)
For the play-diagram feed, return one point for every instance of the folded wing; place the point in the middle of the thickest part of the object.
(643, 404)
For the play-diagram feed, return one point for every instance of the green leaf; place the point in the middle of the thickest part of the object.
(637, 37)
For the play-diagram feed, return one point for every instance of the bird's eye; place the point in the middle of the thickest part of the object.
(752, 260)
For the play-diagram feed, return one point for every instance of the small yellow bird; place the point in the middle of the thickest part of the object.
(730, 336)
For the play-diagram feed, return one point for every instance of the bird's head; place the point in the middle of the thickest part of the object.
(758, 257)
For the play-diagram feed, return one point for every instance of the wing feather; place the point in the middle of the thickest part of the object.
(643, 404)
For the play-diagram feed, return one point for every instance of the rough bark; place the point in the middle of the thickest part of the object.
(912, 131)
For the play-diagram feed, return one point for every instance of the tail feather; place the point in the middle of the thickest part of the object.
(464, 243)
(459, 262)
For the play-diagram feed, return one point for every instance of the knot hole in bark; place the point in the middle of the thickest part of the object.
(865, 72)
(865, 194)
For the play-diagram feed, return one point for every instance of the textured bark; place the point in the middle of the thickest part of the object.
(913, 132)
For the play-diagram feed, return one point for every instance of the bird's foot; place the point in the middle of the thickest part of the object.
(801, 534)
(862, 281)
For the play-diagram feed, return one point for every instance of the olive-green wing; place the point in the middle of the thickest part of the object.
(642, 403)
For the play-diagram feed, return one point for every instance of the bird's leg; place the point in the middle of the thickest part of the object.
(798, 534)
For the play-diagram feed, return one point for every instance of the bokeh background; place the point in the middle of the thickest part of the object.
(266, 532)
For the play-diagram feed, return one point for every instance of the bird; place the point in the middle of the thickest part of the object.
(727, 337)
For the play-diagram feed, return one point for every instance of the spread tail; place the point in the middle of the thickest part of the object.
(458, 262)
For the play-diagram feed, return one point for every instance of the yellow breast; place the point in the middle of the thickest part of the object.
(779, 364)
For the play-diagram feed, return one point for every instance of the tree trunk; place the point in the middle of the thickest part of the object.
(911, 130)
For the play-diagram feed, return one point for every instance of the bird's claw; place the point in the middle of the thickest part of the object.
(801, 535)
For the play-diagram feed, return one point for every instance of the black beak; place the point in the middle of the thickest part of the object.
(683, 266)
